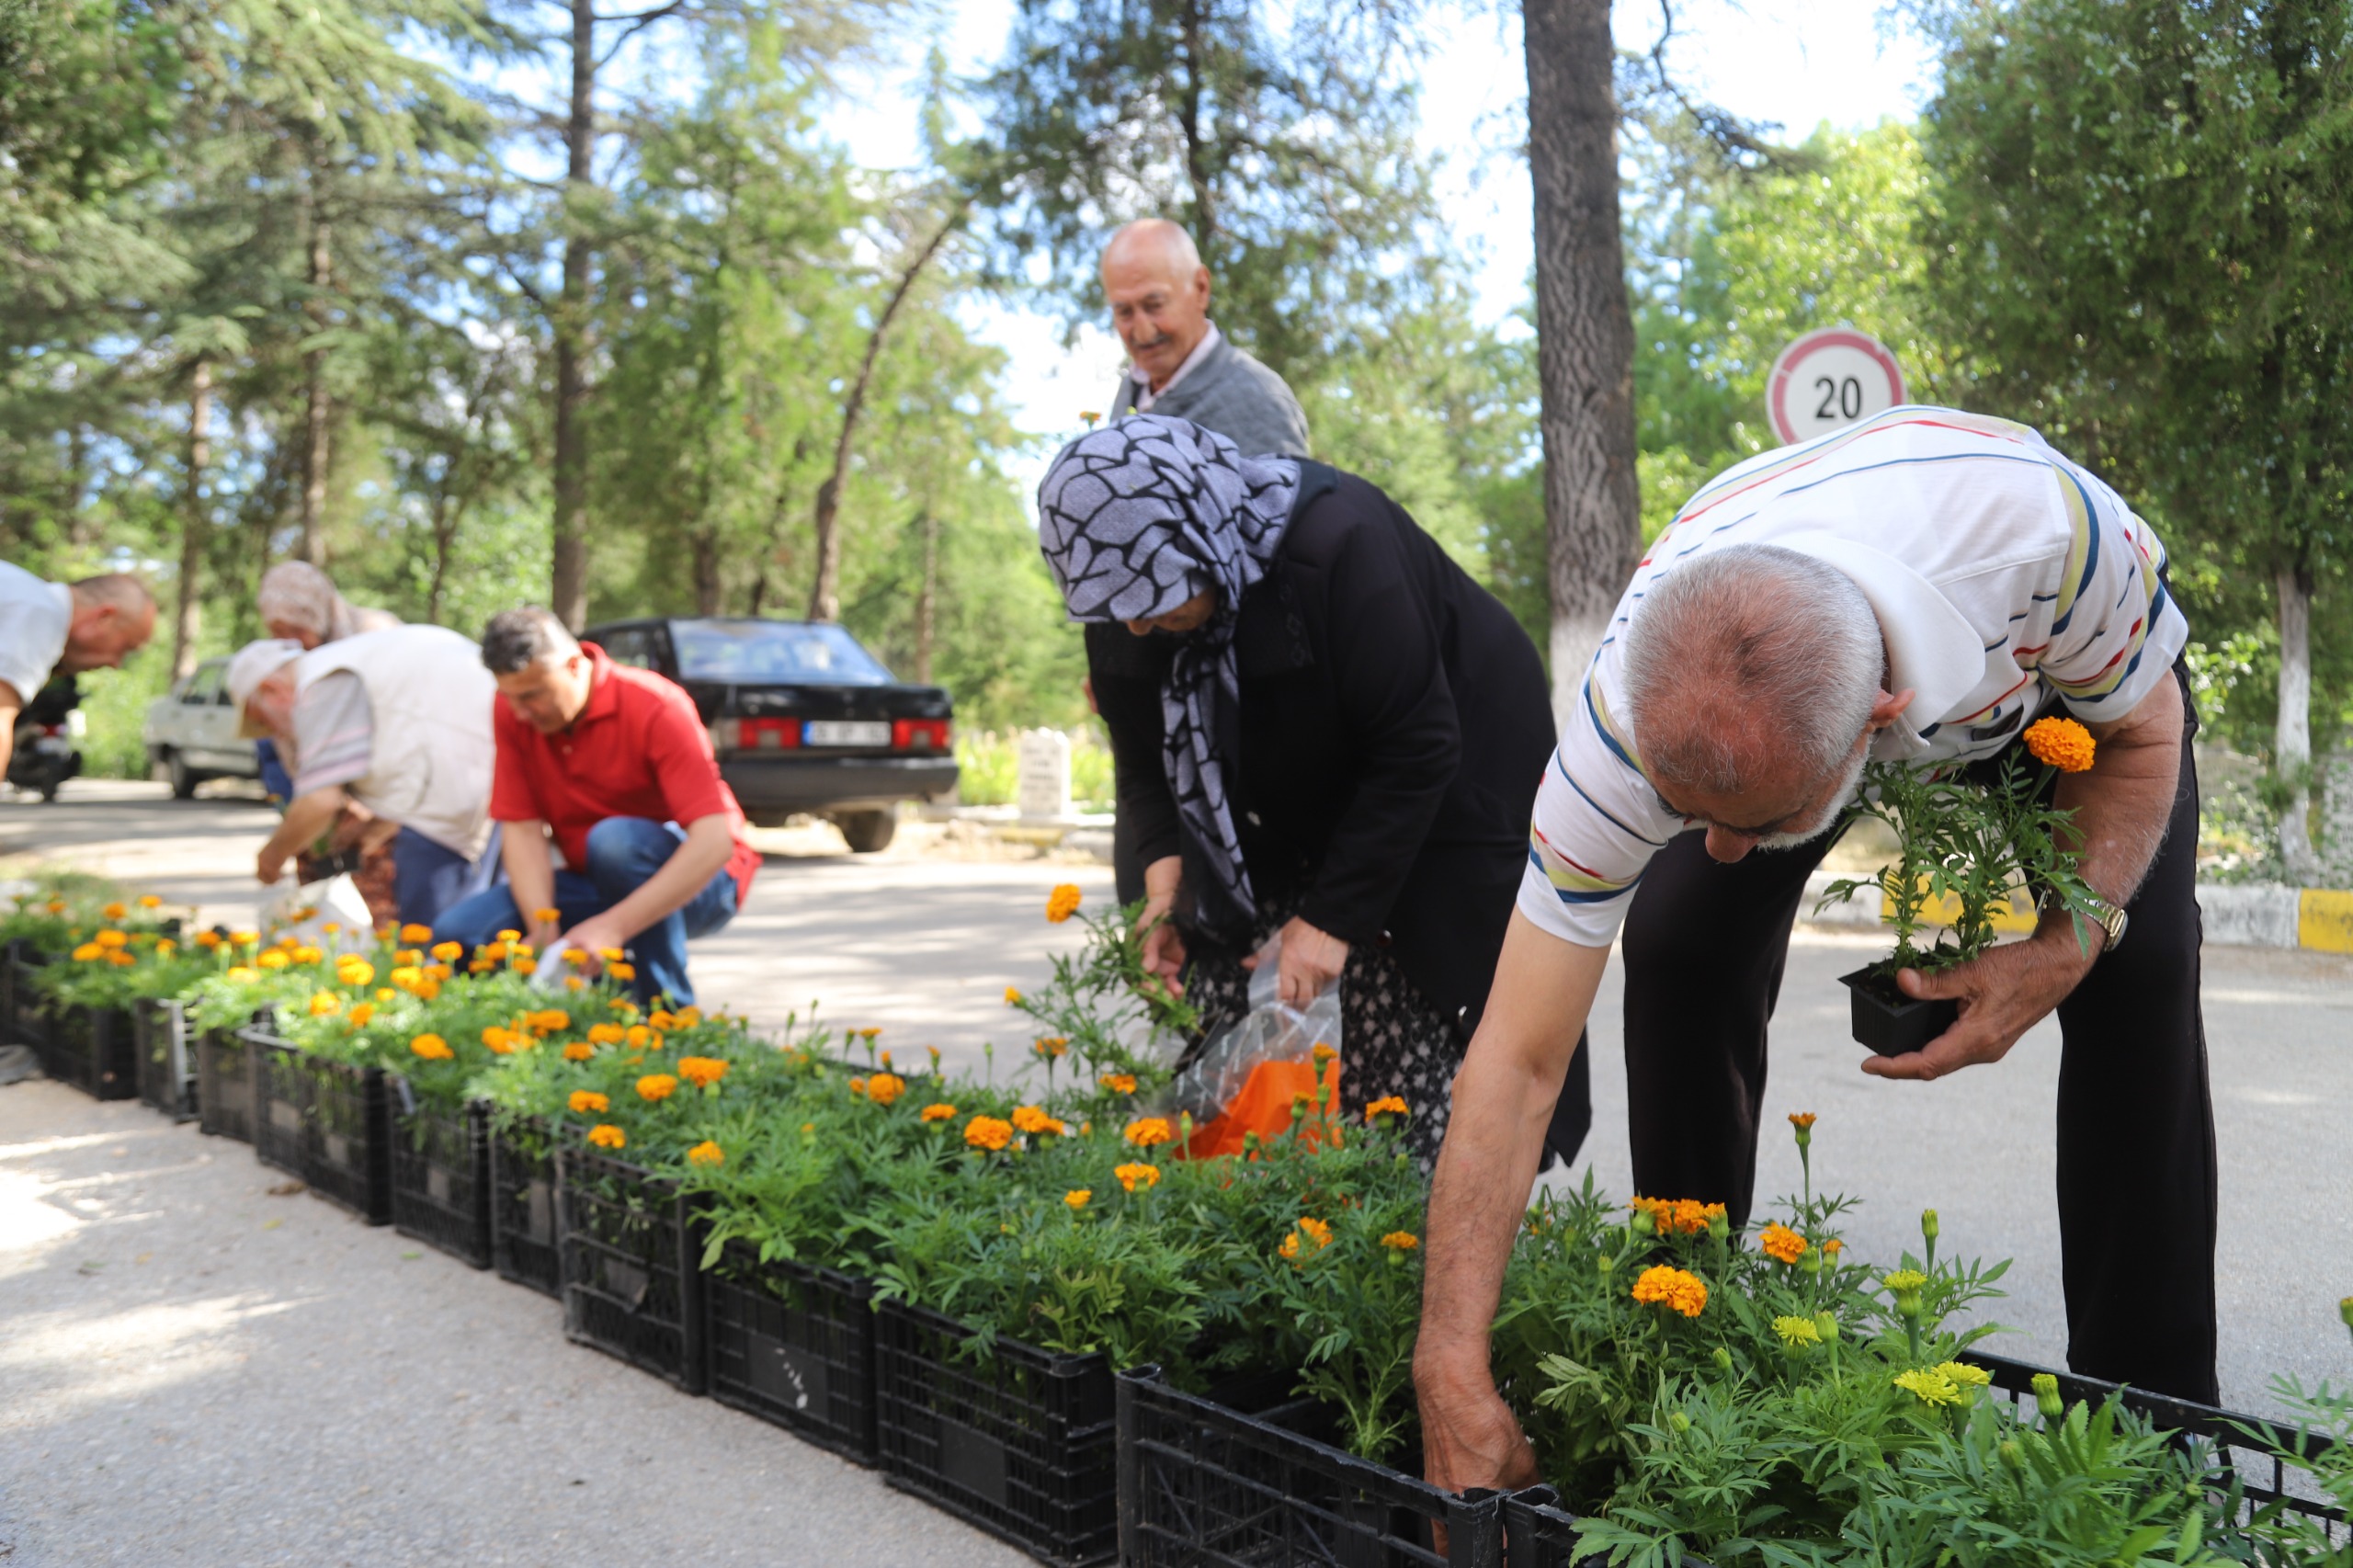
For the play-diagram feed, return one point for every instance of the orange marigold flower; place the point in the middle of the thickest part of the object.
(430, 1048)
(605, 1135)
(526, 965)
(1137, 1173)
(1054, 1045)
(1290, 1246)
(1833, 1248)
(360, 1013)
(656, 1086)
(149, 900)
(579, 1050)
(1078, 1197)
(417, 935)
(546, 916)
(585, 1101)
(449, 952)
(937, 1112)
(688, 1018)
(549, 1019)
(1672, 1289)
(121, 958)
(208, 938)
(1147, 1132)
(1388, 1104)
(88, 952)
(1803, 1121)
(1318, 1228)
(621, 970)
(1032, 1119)
(988, 1133)
(323, 1003)
(1062, 902)
(1678, 1216)
(1120, 1083)
(1400, 1241)
(355, 971)
(1780, 1243)
(272, 960)
(113, 911)
(706, 1153)
(2063, 743)
(606, 1034)
(660, 1019)
(884, 1089)
(638, 1035)
(704, 1071)
(1321, 1053)
(306, 955)
(112, 939)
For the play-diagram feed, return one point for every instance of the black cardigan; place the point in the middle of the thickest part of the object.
(1393, 729)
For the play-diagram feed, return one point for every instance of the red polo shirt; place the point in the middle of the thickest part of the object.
(639, 749)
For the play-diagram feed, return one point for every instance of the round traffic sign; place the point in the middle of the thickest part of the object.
(1828, 380)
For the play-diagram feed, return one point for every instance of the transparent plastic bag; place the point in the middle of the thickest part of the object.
(307, 911)
(1245, 1078)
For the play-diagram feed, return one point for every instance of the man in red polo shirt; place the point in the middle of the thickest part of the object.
(613, 764)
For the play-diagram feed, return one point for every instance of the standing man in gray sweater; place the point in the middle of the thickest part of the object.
(1178, 363)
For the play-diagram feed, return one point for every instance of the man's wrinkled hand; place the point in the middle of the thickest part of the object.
(2003, 993)
(269, 866)
(1470, 1437)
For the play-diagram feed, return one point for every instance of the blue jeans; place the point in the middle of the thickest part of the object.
(623, 854)
(428, 877)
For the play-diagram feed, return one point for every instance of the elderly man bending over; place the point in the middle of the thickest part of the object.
(1179, 364)
(1919, 587)
(48, 628)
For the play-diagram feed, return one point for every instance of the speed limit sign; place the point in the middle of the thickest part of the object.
(1828, 380)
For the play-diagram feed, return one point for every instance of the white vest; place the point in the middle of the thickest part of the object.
(432, 752)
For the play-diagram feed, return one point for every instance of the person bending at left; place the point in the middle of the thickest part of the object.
(616, 766)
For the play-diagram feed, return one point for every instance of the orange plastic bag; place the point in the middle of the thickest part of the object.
(1263, 1107)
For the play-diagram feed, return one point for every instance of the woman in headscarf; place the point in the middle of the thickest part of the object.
(299, 602)
(1322, 727)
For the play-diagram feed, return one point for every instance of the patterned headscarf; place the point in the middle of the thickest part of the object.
(1136, 518)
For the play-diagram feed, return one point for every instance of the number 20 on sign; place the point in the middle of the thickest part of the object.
(1828, 380)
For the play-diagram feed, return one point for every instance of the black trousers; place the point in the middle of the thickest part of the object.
(2136, 1120)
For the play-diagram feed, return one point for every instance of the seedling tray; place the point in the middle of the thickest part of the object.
(22, 1022)
(91, 1049)
(440, 1174)
(524, 1247)
(159, 1036)
(225, 1084)
(794, 1346)
(280, 1088)
(633, 1267)
(1893, 1028)
(346, 1137)
(1205, 1485)
(1022, 1443)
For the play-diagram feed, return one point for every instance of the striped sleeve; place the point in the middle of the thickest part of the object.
(2115, 631)
(1598, 822)
(334, 733)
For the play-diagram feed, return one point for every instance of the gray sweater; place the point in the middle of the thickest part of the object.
(1234, 396)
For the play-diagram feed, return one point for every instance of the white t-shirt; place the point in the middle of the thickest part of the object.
(2003, 576)
(34, 617)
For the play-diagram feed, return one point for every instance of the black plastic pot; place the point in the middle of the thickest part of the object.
(1893, 1028)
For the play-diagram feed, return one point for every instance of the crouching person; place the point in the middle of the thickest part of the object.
(396, 723)
(615, 764)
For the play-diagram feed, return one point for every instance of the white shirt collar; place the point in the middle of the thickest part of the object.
(1145, 396)
(1931, 647)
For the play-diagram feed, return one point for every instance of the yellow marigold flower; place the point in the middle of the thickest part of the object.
(1147, 1132)
(884, 1089)
(165, 946)
(1964, 1375)
(686, 1017)
(574, 982)
(1289, 1249)
(1061, 903)
(1077, 1197)
(306, 954)
(547, 1020)
(331, 926)
(606, 1034)
(1054, 1045)
(447, 952)
(437, 971)
(112, 939)
(706, 1153)
(579, 1050)
(1321, 1053)
(430, 1048)
(939, 1112)
(605, 1135)
(243, 939)
(243, 975)
(1780, 1243)
(574, 956)
(1672, 1289)
(586, 1101)
(1388, 1104)
(546, 916)
(495, 953)
(1318, 1228)
(114, 912)
(988, 1133)
(1929, 1387)
(621, 970)
(149, 900)
(323, 1003)
(385, 993)
(510, 935)
(415, 934)
(1012, 996)
(611, 955)
(356, 971)
(1400, 1241)
(1120, 1083)
(525, 966)
(2063, 743)
(656, 1086)
(1137, 1173)
(1906, 1280)
(1797, 1333)
(704, 1071)
(88, 952)
(360, 1013)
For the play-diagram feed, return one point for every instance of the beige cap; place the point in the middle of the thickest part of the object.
(255, 663)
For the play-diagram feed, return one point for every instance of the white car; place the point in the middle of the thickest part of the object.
(191, 732)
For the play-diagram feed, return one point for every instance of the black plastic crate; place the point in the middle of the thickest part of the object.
(346, 1137)
(440, 1165)
(280, 1088)
(22, 1019)
(159, 1037)
(225, 1084)
(633, 1267)
(1207, 1484)
(1023, 1443)
(91, 1049)
(524, 1245)
(794, 1345)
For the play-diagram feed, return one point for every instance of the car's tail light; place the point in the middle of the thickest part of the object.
(754, 734)
(919, 735)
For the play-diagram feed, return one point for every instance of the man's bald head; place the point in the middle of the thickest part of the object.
(1753, 672)
(113, 617)
(1159, 295)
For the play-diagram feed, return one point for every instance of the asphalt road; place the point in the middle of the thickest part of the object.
(178, 1369)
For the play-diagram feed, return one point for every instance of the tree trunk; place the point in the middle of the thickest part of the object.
(1585, 327)
(1205, 237)
(77, 480)
(189, 616)
(824, 594)
(706, 570)
(2291, 747)
(315, 416)
(445, 535)
(569, 570)
(927, 596)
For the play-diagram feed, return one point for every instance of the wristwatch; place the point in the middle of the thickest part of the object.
(2108, 916)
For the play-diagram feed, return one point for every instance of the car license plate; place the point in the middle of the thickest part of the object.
(846, 732)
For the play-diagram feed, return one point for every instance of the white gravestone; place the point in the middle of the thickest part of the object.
(1042, 776)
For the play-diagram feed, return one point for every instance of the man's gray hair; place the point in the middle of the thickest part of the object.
(518, 639)
(118, 590)
(1747, 662)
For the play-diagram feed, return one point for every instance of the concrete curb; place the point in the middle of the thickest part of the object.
(2250, 914)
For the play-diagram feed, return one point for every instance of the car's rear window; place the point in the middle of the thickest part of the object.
(747, 651)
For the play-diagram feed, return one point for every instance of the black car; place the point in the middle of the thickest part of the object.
(804, 719)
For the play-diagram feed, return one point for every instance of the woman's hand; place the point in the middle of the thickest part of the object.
(1164, 945)
(1311, 961)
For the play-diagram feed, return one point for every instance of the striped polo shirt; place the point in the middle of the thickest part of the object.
(2004, 577)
